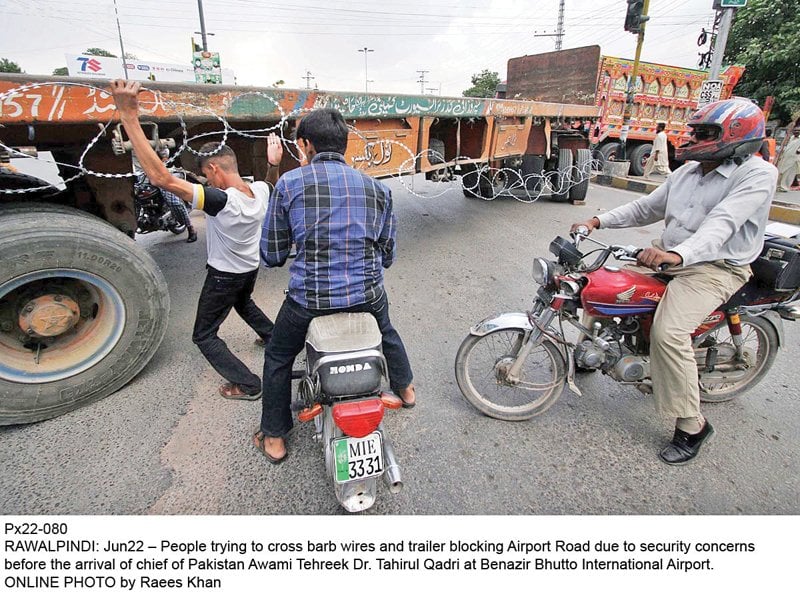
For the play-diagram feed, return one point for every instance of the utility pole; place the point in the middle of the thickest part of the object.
(308, 78)
(559, 34)
(721, 41)
(635, 22)
(366, 50)
(202, 25)
(121, 47)
(422, 80)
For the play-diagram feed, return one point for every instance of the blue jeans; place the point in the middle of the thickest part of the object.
(223, 291)
(288, 340)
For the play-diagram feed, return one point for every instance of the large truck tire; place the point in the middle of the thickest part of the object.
(609, 151)
(580, 175)
(477, 183)
(532, 168)
(563, 182)
(638, 158)
(82, 310)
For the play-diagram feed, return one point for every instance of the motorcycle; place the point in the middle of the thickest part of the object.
(340, 390)
(514, 366)
(152, 211)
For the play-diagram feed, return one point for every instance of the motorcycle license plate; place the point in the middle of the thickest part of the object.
(358, 458)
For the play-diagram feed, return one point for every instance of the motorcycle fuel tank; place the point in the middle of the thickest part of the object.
(615, 292)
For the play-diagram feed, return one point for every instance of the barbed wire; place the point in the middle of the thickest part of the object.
(503, 181)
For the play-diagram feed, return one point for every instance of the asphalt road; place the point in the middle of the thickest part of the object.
(168, 444)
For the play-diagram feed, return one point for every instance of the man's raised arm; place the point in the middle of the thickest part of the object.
(125, 93)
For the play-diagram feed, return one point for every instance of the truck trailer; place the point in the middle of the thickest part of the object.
(584, 76)
(83, 307)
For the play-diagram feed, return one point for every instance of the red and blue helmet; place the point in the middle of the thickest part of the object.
(724, 129)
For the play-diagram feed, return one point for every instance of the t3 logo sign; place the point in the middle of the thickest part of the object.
(90, 64)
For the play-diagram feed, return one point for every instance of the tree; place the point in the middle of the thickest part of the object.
(7, 65)
(483, 84)
(764, 39)
(61, 71)
(96, 51)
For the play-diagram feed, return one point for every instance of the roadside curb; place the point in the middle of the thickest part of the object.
(788, 213)
(639, 186)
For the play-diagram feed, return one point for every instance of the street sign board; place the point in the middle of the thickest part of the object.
(709, 92)
(732, 3)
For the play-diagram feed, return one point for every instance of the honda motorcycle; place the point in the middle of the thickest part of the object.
(152, 211)
(340, 390)
(514, 366)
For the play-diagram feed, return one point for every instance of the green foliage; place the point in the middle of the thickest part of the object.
(61, 71)
(7, 65)
(96, 51)
(765, 38)
(483, 84)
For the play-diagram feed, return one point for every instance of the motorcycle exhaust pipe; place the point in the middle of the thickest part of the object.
(391, 475)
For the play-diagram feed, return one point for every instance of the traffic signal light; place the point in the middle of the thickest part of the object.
(634, 20)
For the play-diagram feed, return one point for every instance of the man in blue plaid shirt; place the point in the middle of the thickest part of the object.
(342, 223)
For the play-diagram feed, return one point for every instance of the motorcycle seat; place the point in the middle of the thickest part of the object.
(344, 350)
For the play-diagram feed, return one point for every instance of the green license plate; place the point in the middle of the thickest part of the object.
(358, 458)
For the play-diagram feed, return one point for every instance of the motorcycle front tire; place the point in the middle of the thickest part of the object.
(484, 355)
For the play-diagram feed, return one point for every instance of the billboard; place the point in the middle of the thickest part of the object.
(206, 67)
(86, 66)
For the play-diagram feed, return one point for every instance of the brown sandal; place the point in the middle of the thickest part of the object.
(258, 442)
(232, 391)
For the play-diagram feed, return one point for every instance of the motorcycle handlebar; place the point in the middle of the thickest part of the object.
(621, 252)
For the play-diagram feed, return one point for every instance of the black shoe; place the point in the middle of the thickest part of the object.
(192, 235)
(684, 447)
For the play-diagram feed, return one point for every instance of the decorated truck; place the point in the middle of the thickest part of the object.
(83, 307)
(584, 76)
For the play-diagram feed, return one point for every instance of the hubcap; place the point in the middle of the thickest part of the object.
(49, 316)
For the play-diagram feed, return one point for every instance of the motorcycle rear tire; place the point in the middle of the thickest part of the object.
(767, 338)
(530, 405)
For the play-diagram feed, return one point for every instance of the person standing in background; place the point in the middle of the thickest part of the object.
(658, 160)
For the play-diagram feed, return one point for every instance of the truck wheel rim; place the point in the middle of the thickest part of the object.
(31, 355)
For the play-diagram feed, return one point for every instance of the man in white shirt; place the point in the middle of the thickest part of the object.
(658, 161)
(789, 162)
(715, 211)
(235, 212)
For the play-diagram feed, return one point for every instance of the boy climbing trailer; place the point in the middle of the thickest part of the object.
(83, 308)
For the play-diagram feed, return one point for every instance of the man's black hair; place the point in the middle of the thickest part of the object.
(215, 150)
(326, 129)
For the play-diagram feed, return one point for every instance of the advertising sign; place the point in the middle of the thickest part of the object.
(709, 92)
(206, 67)
(85, 66)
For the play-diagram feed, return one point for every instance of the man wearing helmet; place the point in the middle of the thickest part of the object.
(715, 209)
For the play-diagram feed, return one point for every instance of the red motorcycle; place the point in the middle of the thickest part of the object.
(514, 366)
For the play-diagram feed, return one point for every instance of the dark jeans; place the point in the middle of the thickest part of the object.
(288, 340)
(221, 292)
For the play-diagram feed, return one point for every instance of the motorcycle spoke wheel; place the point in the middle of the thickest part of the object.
(760, 345)
(482, 365)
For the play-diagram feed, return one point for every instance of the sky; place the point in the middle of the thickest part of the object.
(264, 41)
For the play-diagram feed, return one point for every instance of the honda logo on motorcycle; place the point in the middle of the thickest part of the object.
(350, 368)
(624, 297)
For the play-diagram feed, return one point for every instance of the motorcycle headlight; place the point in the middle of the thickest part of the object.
(541, 271)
